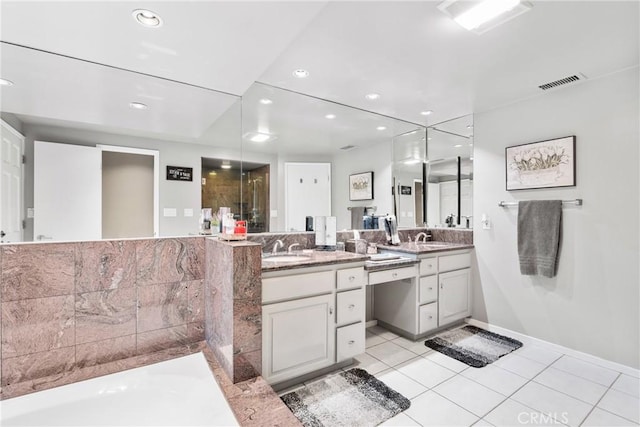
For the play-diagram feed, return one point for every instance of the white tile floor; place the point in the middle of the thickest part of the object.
(532, 386)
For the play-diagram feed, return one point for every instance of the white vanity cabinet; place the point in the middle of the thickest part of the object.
(312, 318)
(438, 294)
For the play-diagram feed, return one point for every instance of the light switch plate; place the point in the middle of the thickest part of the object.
(188, 212)
(30, 213)
(170, 212)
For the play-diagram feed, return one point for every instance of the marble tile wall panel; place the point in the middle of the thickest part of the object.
(169, 260)
(162, 306)
(195, 301)
(98, 352)
(247, 325)
(37, 365)
(219, 301)
(306, 240)
(247, 365)
(37, 271)
(247, 272)
(452, 235)
(196, 331)
(35, 325)
(105, 265)
(161, 339)
(105, 314)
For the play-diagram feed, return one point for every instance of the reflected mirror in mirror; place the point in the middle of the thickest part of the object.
(95, 115)
(312, 147)
(450, 173)
(409, 156)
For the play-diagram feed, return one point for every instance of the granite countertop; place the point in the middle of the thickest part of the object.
(423, 248)
(310, 258)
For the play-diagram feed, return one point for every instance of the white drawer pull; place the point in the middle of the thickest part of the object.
(352, 278)
(395, 275)
(430, 265)
(352, 306)
(430, 288)
(430, 317)
(330, 310)
(352, 342)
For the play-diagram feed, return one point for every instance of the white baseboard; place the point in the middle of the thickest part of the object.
(573, 353)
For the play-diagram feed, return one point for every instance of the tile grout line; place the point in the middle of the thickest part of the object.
(602, 397)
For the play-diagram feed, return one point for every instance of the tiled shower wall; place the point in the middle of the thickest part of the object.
(72, 305)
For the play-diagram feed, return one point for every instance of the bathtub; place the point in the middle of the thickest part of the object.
(178, 392)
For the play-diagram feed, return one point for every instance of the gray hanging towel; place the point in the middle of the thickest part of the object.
(539, 227)
(357, 212)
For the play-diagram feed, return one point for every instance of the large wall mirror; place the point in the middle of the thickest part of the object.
(450, 173)
(409, 169)
(91, 135)
(315, 150)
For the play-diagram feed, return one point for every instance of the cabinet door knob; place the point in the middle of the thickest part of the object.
(352, 342)
(352, 278)
(441, 285)
(352, 306)
(430, 317)
(330, 310)
(430, 288)
(394, 275)
(430, 265)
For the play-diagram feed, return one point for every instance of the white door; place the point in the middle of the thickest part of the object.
(298, 337)
(11, 184)
(67, 193)
(307, 193)
(454, 298)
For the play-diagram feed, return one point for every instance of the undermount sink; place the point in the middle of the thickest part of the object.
(433, 243)
(284, 258)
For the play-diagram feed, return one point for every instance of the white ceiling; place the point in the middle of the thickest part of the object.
(409, 52)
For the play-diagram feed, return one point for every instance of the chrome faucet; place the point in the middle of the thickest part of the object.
(277, 245)
(419, 235)
(290, 249)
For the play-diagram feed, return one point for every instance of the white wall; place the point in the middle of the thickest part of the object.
(12, 121)
(593, 303)
(173, 194)
(376, 158)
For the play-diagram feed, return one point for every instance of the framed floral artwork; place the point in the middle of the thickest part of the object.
(361, 186)
(542, 164)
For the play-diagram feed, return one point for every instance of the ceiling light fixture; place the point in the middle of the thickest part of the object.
(330, 116)
(300, 73)
(138, 106)
(147, 18)
(381, 127)
(481, 16)
(412, 161)
(258, 136)
(225, 166)
(372, 96)
(469, 126)
(426, 113)
(5, 82)
(266, 101)
(457, 146)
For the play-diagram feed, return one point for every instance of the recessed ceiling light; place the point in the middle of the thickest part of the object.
(481, 16)
(147, 18)
(429, 139)
(457, 146)
(266, 101)
(372, 96)
(381, 127)
(258, 136)
(213, 173)
(300, 73)
(469, 126)
(471, 158)
(412, 161)
(225, 166)
(426, 113)
(330, 116)
(138, 106)
(471, 144)
(5, 82)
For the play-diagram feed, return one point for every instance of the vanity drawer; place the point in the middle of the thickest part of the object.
(350, 307)
(351, 278)
(428, 317)
(297, 286)
(428, 266)
(428, 289)
(350, 341)
(392, 275)
(454, 262)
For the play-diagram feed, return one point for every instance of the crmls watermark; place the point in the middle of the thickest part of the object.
(538, 418)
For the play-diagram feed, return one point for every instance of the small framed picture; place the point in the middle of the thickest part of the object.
(543, 164)
(405, 190)
(361, 186)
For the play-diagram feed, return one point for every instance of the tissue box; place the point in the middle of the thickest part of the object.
(358, 246)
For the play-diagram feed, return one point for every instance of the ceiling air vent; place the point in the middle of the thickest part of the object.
(562, 82)
(348, 147)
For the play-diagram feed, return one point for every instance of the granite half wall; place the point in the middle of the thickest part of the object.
(233, 294)
(69, 306)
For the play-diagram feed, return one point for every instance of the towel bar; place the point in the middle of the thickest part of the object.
(577, 202)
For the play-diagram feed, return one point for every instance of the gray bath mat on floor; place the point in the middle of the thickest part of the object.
(473, 346)
(351, 398)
